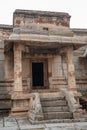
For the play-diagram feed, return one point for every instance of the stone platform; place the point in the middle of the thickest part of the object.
(23, 123)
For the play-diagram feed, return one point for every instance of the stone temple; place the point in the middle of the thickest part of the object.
(43, 66)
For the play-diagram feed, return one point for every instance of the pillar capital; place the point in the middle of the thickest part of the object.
(66, 49)
(18, 46)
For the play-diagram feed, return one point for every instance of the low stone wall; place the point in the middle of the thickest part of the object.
(5, 96)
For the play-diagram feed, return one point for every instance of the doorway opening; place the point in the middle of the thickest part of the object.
(37, 75)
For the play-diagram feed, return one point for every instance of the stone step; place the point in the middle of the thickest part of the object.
(18, 109)
(56, 109)
(18, 114)
(59, 121)
(53, 103)
(51, 95)
(58, 115)
(52, 98)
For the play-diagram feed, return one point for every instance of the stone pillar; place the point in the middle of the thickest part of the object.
(50, 72)
(9, 65)
(17, 68)
(71, 70)
(20, 100)
(6, 66)
(56, 67)
(57, 76)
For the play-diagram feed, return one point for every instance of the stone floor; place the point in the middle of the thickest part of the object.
(7, 123)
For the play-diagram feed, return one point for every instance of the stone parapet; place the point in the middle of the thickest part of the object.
(36, 112)
(24, 17)
(73, 104)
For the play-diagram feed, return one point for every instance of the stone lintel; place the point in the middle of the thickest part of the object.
(36, 39)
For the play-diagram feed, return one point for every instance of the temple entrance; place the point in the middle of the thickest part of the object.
(37, 75)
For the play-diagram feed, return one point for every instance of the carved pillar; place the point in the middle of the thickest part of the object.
(71, 70)
(17, 68)
(20, 100)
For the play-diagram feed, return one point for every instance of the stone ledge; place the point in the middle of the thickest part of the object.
(59, 121)
(17, 96)
(41, 13)
(6, 27)
(18, 109)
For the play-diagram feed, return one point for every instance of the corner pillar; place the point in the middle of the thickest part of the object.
(21, 102)
(17, 69)
(17, 101)
(72, 95)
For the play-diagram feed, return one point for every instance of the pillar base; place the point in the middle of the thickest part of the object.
(20, 104)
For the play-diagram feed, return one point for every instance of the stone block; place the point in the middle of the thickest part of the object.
(55, 128)
(54, 103)
(23, 122)
(1, 122)
(76, 115)
(58, 115)
(81, 126)
(10, 122)
(10, 128)
(33, 127)
(5, 104)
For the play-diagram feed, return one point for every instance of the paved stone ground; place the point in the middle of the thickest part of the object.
(7, 123)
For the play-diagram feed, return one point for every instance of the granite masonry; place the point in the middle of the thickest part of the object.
(43, 67)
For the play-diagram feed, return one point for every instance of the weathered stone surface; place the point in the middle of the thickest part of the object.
(80, 126)
(24, 17)
(23, 122)
(58, 115)
(30, 127)
(9, 128)
(54, 109)
(10, 122)
(36, 112)
(5, 104)
(17, 68)
(41, 37)
(1, 122)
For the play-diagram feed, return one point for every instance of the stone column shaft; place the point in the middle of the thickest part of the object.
(56, 67)
(50, 71)
(6, 66)
(71, 70)
(17, 68)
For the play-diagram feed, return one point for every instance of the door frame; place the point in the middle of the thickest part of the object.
(45, 72)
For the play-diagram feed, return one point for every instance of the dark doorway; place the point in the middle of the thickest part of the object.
(37, 74)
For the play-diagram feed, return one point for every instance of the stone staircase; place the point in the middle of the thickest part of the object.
(54, 106)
